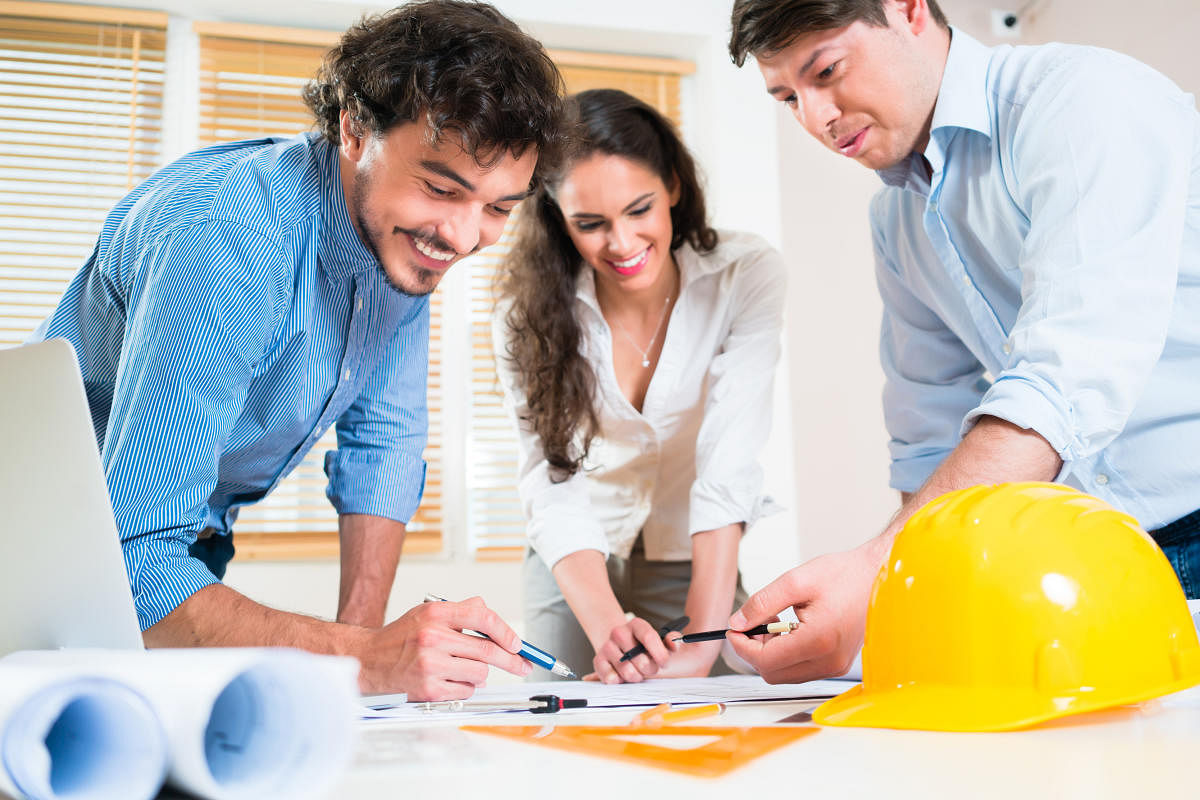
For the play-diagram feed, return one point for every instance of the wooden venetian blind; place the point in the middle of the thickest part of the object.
(250, 82)
(81, 92)
(496, 523)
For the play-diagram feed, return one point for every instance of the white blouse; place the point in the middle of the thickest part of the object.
(689, 461)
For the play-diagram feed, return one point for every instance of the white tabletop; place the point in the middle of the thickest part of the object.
(1144, 751)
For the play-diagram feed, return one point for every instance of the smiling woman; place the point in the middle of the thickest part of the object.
(637, 346)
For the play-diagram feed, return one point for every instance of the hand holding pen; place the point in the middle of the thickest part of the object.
(425, 653)
(638, 636)
(534, 655)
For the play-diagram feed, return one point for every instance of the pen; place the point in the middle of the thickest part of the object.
(528, 652)
(538, 704)
(757, 630)
(677, 624)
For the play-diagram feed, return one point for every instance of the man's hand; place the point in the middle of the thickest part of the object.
(426, 654)
(830, 596)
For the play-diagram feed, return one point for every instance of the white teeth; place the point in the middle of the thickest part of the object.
(632, 261)
(439, 255)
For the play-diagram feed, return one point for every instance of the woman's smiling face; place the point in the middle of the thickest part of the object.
(618, 215)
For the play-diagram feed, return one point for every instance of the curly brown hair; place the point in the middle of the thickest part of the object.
(539, 274)
(768, 26)
(465, 66)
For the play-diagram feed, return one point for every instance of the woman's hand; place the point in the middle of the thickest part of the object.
(608, 665)
(689, 660)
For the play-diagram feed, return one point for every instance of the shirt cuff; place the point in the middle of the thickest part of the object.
(381, 483)
(715, 506)
(1029, 402)
(162, 575)
(559, 530)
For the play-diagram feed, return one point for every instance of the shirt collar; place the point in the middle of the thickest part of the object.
(342, 253)
(962, 103)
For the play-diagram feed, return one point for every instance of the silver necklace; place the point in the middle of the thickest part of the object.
(657, 329)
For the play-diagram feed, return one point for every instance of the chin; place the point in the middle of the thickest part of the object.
(411, 279)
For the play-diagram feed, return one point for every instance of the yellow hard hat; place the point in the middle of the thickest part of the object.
(1004, 606)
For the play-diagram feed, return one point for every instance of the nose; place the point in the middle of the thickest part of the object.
(461, 228)
(817, 111)
(619, 237)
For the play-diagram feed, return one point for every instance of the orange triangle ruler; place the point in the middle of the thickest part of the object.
(731, 748)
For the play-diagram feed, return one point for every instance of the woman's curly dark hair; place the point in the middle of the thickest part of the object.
(465, 65)
(539, 274)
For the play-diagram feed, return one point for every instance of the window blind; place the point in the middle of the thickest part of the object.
(81, 93)
(250, 83)
(495, 521)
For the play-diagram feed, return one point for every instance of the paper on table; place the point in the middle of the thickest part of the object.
(677, 691)
(240, 722)
(66, 736)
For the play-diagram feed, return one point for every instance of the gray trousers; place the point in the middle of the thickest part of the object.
(656, 591)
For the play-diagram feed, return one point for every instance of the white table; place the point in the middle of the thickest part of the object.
(1144, 752)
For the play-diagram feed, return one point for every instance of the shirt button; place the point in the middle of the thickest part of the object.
(347, 374)
(1007, 348)
(360, 304)
(1101, 479)
(966, 280)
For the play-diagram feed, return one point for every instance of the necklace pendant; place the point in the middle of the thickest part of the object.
(645, 362)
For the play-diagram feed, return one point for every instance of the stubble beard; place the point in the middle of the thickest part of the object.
(423, 281)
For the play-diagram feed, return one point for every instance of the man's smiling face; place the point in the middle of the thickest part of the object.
(863, 91)
(420, 206)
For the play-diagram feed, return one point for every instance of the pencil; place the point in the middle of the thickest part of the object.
(663, 714)
(758, 630)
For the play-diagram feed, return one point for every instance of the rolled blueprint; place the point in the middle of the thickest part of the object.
(240, 723)
(65, 735)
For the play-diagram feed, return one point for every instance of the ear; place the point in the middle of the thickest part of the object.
(674, 190)
(917, 18)
(350, 133)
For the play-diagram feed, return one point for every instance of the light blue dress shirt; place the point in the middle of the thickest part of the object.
(1048, 273)
(228, 316)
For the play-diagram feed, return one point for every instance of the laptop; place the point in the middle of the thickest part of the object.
(62, 575)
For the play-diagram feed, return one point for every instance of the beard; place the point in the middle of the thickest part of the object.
(414, 280)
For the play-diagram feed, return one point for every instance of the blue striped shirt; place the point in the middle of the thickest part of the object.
(1048, 273)
(228, 316)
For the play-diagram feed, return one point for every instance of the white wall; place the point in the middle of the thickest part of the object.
(833, 307)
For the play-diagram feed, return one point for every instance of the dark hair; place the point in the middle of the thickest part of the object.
(541, 269)
(768, 26)
(465, 65)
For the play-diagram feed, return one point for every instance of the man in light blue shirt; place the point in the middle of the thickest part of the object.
(251, 295)
(1038, 253)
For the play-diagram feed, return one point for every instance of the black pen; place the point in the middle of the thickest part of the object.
(757, 630)
(677, 624)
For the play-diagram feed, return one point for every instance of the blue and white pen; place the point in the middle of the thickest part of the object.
(528, 652)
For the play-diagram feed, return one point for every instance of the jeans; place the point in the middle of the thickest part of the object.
(1180, 541)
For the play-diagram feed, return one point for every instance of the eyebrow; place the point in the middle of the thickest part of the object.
(636, 201)
(803, 69)
(438, 168)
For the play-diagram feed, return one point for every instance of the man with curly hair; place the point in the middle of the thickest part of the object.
(250, 295)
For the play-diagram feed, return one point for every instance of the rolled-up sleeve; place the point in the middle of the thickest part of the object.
(738, 399)
(197, 326)
(378, 467)
(931, 379)
(1100, 262)
(559, 518)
